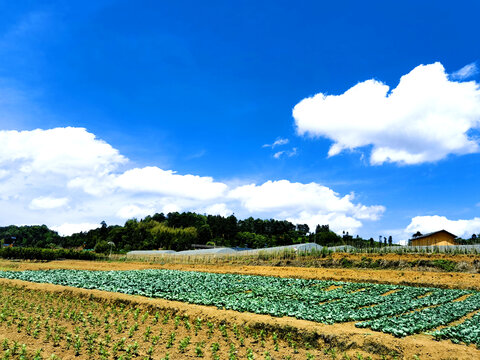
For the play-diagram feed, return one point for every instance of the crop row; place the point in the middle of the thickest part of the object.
(424, 319)
(399, 310)
(467, 332)
(64, 324)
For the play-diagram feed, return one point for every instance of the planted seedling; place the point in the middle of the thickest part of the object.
(199, 349)
(171, 340)
(198, 325)
(232, 354)
(211, 326)
(184, 344)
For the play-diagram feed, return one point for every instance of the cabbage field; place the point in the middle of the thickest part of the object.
(394, 309)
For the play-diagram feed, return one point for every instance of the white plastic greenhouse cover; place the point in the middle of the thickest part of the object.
(149, 252)
(207, 251)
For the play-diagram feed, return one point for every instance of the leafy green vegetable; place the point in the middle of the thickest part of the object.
(394, 309)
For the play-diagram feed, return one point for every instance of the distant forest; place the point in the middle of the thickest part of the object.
(180, 231)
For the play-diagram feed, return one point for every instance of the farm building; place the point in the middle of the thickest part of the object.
(437, 238)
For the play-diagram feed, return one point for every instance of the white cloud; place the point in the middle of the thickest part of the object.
(95, 185)
(171, 208)
(283, 194)
(216, 209)
(290, 153)
(84, 174)
(461, 228)
(373, 212)
(67, 151)
(153, 180)
(4, 173)
(277, 142)
(45, 202)
(279, 154)
(134, 211)
(68, 229)
(337, 222)
(424, 119)
(305, 203)
(465, 72)
(167, 182)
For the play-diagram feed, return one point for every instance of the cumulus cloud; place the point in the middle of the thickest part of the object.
(168, 208)
(167, 182)
(424, 119)
(216, 209)
(46, 202)
(134, 211)
(337, 222)
(306, 203)
(92, 182)
(154, 180)
(461, 228)
(69, 229)
(68, 151)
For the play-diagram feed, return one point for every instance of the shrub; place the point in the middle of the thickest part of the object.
(45, 254)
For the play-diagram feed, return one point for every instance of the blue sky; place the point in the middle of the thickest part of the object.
(116, 109)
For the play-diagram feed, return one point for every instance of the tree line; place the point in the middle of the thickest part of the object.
(181, 231)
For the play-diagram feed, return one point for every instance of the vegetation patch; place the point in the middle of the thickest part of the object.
(46, 254)
(393, 309)
(38, 324)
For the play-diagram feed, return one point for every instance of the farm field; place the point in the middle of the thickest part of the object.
(401, 277)
(431, 262)
(71, 325)
(312, 318)
(395, 309)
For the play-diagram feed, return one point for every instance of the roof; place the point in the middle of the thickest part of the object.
(433, 233)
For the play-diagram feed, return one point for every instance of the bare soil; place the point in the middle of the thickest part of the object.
(340, 337)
